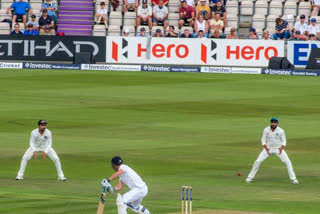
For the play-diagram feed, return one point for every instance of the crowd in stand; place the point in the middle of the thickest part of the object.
(205, 20)
(46, 24)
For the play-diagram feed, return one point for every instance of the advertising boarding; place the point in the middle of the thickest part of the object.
(173, 51)
(299, 52)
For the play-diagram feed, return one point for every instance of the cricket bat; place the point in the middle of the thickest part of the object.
(101, 202)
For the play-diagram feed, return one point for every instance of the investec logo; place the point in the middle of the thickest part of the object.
(30, 47)
(159, 50)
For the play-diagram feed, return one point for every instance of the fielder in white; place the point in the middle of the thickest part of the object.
(138, 188)
(41, 141)
(273, 140)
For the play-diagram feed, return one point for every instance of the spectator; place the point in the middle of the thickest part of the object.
(219, 8)
(20, 11)
(158, 33)
(302, 26)
(160, 15)
(157, 2)
(266, 35)
(214, 2)
(130, 5)
(16, 30)
(186, 34)
(46, 24)
(144, 14)
(34, 22)
(253, 34)
(315, 7)
(30, 30)
(102, 14)
(114, 4)
(312, 37)
(216, 34)
(203, 9)
(192, 3)
(142, 33)
(216, 23)
(313, 28)
(186, 14)
(282, 29)
(298, 36)
(233, 34)
(126, 32)
(171, 32)
(51, 8)
(201, 34)
(201, 24)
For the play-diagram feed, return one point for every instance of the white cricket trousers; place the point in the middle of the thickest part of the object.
(135, 196)
(51, 154)
(264, 155)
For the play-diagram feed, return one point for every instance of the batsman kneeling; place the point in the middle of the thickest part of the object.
(138, 188)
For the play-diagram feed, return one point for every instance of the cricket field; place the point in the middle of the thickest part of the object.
(172, 128)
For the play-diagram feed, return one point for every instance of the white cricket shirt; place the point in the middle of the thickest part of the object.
(104, 11)
(274, 139)
(160, 12)
(130, 177)
(40, 142)
(301, 27)
(313, 29)
(144, 12)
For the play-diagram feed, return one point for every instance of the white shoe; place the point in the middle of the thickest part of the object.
(62, 178)
(249, 180)
(19, 178)
(294, 181)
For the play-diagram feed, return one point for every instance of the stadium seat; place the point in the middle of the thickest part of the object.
(114, 30)
(130, 19)
(185, 27)
(258, 21)
(261, 7)
(232, 20)
(99, 30)
(173, 6)
(146, 27)
(232, 7)
(173, 19)
(275, 8)
(132, 30)
(289, 19)
(3, 14)
(246, 8)
(154, 28)
(317, 18)
(227, 30)
(259, 32)
(176, 29)
(290, 8)
(271, 21)
(4, 28)
(304, 8)
(6, 3)
(115, 18)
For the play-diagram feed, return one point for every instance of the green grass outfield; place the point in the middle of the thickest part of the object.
(173, 128)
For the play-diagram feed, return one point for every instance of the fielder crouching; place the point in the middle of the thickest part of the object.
(138, 188)
(273, 141)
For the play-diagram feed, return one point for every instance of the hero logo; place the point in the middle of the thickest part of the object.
(115, 49)
(204, 51)
(160, 50)
(249, 53)
(30, 47)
